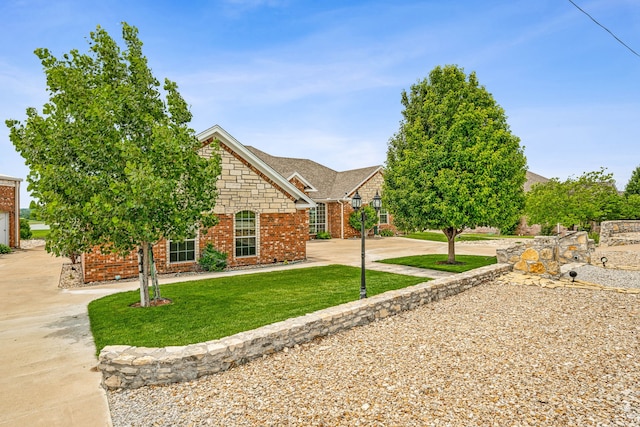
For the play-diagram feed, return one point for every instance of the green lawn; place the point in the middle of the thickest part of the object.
(39, 234)
(208, 309)
(435, 262)
(438, 236)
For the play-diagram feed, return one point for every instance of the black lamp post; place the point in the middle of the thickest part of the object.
(356, 203)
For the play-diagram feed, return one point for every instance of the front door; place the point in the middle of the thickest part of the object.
(4, 228)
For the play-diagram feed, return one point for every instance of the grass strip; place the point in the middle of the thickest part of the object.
(438, 236)
(437, 262)
(209, 309)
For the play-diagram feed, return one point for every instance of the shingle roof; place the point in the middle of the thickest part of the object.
(533, 178)
(328, 183)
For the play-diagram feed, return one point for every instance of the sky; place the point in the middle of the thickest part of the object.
(323, 79)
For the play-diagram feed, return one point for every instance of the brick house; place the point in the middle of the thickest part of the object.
(10, 211)
(263, 219)
(331, 191)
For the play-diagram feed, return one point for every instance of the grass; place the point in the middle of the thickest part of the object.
(435, 262)
(438, 236)
(209, 309)
(39, 234)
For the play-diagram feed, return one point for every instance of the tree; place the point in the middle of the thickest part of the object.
(592, 197)
(454, 162)
(370, 219)
(633, 186)
(112, 163)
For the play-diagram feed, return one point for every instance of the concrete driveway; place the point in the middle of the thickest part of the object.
(47, 375)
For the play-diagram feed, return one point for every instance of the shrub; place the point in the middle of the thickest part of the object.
(212, 259)
(387, 233)
(547, 230)
(323, 235)
(25, 229)
(4, 249)
(594, 236)
(371, 218)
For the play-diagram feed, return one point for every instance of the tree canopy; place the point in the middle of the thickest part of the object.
(454, 162)
(633, 186)
(113, 161)
(592, 197)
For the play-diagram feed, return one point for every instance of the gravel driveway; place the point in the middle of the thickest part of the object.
(497, 355)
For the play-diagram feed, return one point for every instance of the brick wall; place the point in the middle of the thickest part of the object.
(8, 204)
(282, 229)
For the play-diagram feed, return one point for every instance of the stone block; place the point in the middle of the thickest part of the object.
(530, 255)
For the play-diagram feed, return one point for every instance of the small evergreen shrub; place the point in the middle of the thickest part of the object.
(4, 249)
(212, 259)
(25, 229)
(324, 235)
(386, 232)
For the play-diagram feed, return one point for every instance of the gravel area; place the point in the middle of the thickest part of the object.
(501, 354)
(607, 276)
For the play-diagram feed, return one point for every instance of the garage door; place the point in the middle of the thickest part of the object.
(4, 228)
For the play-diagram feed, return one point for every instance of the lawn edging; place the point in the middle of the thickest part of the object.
(131, 367)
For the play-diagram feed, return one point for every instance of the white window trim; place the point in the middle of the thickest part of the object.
(196, 253)
(257, 234)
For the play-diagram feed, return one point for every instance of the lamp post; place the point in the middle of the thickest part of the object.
(356, 203)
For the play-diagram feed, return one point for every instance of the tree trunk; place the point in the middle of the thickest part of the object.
(451, 234)
(143, 268)
(154, 275)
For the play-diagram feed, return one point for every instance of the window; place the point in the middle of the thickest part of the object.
(318, 219)
(182, 251)
(384, 216)
(245, 234)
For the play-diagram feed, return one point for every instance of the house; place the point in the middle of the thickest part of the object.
(263, 219)
(10, 211)
(331, 191)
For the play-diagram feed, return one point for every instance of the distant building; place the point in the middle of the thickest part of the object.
(10, 211)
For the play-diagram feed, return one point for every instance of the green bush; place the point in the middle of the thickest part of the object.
(4, 249)
(547, 230)
(212, 259)
(371, 218)
(323, 235)
(387, 233)
(25, 229)
(594, 236)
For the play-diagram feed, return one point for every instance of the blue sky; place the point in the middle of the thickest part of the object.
(322, 79)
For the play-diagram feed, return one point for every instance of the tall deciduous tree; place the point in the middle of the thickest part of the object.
(592, 197)
(454, 163)
(633, 186)
(112, 163)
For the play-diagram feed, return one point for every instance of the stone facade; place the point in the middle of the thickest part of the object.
(618, 233)
(282, 227)
(367, 191)
(133, 367)
(10, 206)
(544, 255)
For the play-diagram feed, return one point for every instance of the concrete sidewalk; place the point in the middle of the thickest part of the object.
(47, 372)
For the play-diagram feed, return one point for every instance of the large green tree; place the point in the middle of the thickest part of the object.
(454, 162)
(633, 186)
(113, 161)
(592, 197)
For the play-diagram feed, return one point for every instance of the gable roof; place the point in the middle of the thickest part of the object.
(9, 178)
(216, 132)
(533, 178)
(327, 183)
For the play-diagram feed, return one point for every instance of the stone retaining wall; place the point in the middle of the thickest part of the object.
(618, 233)
(544, 255)
(133, 367)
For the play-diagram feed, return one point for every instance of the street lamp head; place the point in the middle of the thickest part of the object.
(356, 201)
(377, 202)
